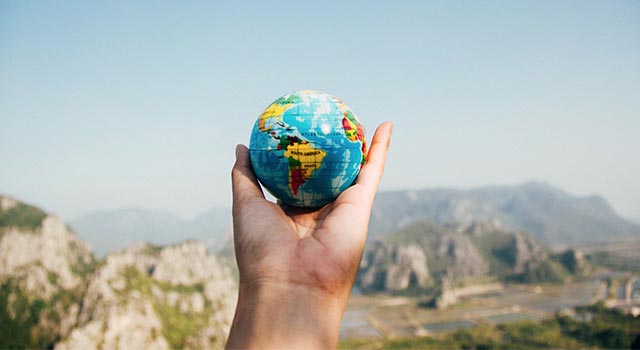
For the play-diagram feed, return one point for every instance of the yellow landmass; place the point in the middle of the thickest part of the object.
(309, 158)
(274, 112)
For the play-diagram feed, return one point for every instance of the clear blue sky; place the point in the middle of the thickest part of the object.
(117, 104)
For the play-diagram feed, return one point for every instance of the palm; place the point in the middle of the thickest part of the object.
(318, 248)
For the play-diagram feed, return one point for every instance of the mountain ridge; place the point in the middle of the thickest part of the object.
(54, 293)
(549, 213)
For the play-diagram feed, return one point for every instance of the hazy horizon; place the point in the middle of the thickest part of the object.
(113, 105)
(193, 215)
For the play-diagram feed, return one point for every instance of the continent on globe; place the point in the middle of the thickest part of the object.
(307, 147)
(303, 161)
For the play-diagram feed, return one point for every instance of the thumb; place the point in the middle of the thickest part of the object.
(243, 180)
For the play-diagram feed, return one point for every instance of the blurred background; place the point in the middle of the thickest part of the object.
(508, 214)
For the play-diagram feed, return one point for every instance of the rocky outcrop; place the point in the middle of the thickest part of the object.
(49, 252)
(43, 267)
(147, 297)
(7, 203)
(395, 268)
(446, 296)
(461, 255)
(526, 254)
(54, 294)
(574, 261)
(438, 259)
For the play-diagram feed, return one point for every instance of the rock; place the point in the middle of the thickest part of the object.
(7, 203)
(178, 296)
(143, 297)
(133, 325)
(395, 268)
(409, 269)
(447, 296)
(41, 263)
(462, 257)
(51, 250)
(416, 256)
(526, 254)
(574, 261)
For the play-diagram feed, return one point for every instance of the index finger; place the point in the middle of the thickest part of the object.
(373, 168)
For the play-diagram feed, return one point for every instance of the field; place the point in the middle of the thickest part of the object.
(381, 316)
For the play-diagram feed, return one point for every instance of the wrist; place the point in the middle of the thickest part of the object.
(272, 314)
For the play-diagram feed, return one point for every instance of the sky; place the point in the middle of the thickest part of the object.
(114, 104)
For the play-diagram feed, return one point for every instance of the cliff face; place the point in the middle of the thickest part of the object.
(53, 293)
(406, 267)
(427, 256)
(43, 267)
(146, 297)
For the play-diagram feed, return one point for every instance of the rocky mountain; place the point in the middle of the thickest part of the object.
(429, 257)
(110, 230)
(147, 297)
(43, 272)
(54, 293)
(550, 214)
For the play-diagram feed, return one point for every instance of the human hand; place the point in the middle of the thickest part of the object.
(297, 266)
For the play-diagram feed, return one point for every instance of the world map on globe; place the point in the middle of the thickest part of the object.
(307, 147)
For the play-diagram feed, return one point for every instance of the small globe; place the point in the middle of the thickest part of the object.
(306, 148)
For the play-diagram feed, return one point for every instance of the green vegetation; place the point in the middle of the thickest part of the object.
(548, 271)
(22, 216)
(176, 325)
(19, 318)
(80, 267)
(496, 249)
(614, 261)
(417, 233)
(591, 327)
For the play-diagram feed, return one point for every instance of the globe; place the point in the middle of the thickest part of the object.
(306, 148)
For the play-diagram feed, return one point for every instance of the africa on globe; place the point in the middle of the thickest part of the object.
(306, 148)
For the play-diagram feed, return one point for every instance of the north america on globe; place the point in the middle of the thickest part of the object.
(307, 147)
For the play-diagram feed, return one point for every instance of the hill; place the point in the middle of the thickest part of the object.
(55, 294)
(428, 257)
(550, 214)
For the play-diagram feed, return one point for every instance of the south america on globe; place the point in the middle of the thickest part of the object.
(306, 148)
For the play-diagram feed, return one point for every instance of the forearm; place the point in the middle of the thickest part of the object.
(278, 316)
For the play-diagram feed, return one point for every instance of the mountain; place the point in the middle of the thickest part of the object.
(110, 230)
(55, 294)
(43, 271)
(550, 214)
(429, 257)
(148, 297)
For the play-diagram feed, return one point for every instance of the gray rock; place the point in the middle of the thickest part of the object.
(147, 297)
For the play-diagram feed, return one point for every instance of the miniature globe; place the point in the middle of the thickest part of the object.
(306, 148)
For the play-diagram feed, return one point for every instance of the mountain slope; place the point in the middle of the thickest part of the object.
(54, 294)
(43, 267)
(427, 257)
(148, 297)
(111, 230)
(550, 214)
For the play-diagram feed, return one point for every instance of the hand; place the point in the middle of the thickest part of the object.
(297, 266)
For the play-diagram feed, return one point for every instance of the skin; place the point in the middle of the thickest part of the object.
(297, 266)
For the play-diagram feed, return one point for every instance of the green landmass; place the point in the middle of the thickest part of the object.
(22, 216)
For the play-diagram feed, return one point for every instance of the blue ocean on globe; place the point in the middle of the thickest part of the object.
(307, 147)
